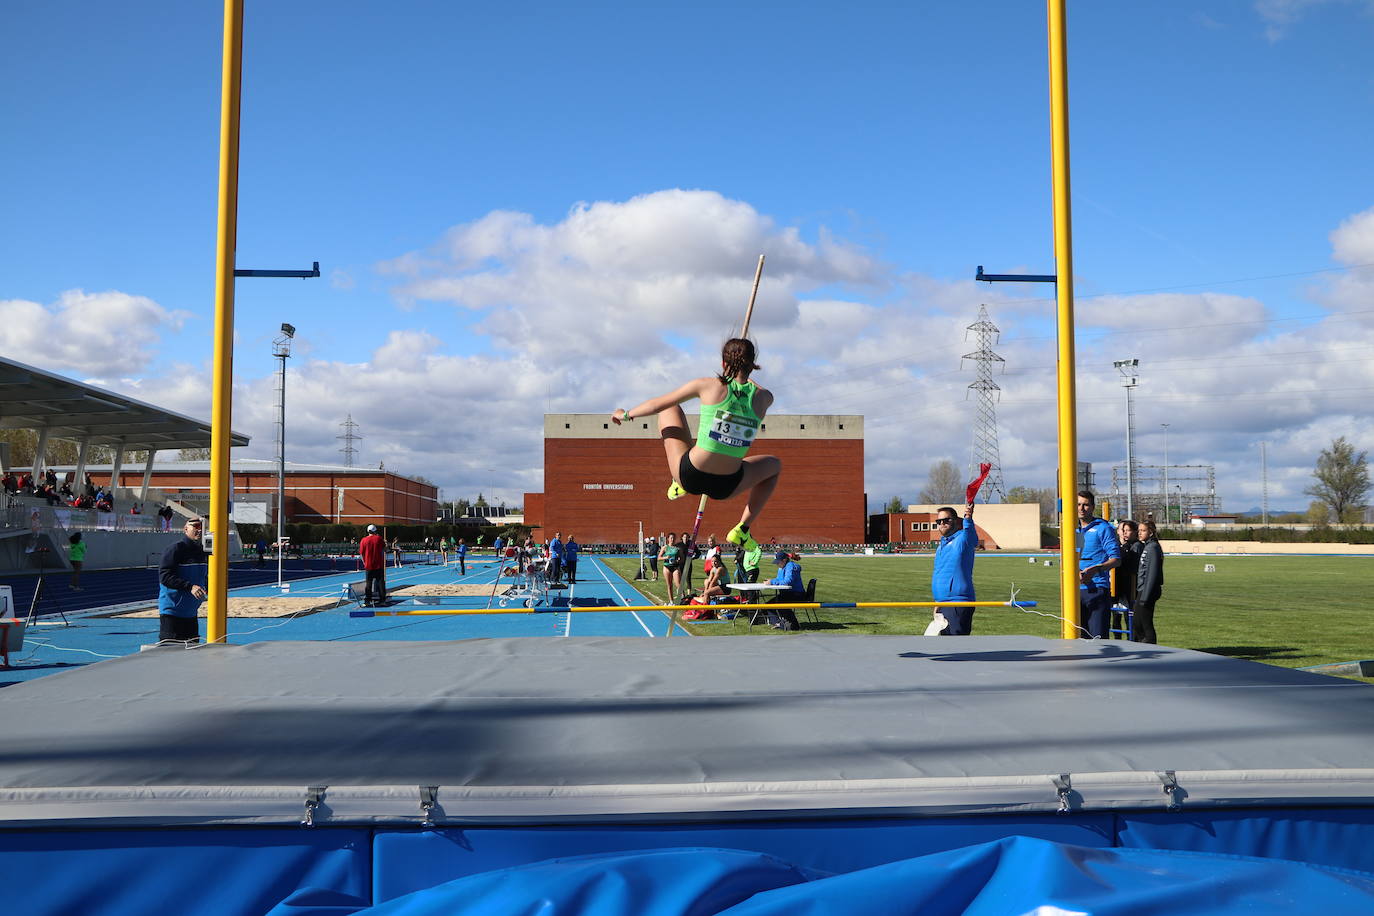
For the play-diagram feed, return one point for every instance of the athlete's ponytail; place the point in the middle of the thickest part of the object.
(737, 358)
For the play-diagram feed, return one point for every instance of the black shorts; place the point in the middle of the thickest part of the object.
(715, 486)
(178, 629)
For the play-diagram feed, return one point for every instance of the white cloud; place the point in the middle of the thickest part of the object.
(613, 278)
(89, 333)
(1279, 15)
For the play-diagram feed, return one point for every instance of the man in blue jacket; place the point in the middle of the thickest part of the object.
(952, 579)
(1099, 553)
(790, 575)
(181, 581)
(556, 557)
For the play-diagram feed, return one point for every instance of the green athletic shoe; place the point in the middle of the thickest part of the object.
(739, 535)
(675, 490)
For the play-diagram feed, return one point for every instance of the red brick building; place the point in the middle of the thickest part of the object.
(601, 481)
(314, 494)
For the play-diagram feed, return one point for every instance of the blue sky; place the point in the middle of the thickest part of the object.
(557, 207)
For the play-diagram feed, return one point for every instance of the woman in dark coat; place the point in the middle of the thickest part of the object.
(1149, 582)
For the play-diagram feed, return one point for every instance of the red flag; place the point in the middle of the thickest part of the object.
(972, 490)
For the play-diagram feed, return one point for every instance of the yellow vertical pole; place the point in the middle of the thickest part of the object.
(225, 245)
(1063, 259)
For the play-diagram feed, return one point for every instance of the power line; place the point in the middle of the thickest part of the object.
(1165, 289)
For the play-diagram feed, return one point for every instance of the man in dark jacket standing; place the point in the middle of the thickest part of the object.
(1149, 583)
(1124, 577)
(570, 550)
(181, 579)
(373, 551)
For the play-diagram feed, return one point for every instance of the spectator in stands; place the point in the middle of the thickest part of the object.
(790, 575)
(181, 586)
(166, 513)
(76, 555)
(1149, 583)
(90, 487)
(372, 549)
(26, 483)
(50, 478)
(570, 549)
(10, 483)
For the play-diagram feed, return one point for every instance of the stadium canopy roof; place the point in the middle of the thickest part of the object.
(34, 399)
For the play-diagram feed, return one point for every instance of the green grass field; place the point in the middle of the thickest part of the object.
(1290, 611)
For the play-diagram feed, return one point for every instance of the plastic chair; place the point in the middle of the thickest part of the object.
(810, 597)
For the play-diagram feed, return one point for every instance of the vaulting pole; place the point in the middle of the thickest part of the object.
(221, 415)
(1063, 258)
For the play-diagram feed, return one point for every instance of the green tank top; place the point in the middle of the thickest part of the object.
(729, 428)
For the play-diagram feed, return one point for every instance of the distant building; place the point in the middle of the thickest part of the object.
(1212, 521)
(1001, 526)
(314, 493)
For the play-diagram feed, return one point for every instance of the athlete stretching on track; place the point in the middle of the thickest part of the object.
(732, 411)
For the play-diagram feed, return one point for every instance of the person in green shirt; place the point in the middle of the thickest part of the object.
(716, 463)
(76, 555)
(671, 556)
(747, 559)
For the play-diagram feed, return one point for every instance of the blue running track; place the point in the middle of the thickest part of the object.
(93, 635)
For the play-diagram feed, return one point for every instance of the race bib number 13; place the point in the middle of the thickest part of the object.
(733, 430)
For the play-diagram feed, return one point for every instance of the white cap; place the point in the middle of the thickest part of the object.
(371, 529)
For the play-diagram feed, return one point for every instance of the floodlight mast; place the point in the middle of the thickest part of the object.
(1165, 427)
(1127, 368)
(281, 349)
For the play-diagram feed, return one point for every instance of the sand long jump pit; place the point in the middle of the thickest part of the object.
(443, 590)
(273, 606)
(257, 607)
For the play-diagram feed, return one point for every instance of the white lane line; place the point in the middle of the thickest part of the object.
(567, 616)
(601, 568)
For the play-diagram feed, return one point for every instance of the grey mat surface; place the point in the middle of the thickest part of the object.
(787, 723)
